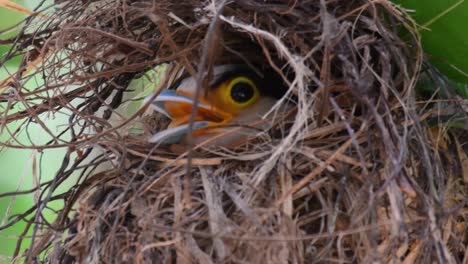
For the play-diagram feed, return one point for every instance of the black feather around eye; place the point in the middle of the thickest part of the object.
(269, 83)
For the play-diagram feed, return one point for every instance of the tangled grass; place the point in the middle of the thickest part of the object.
(356, 174)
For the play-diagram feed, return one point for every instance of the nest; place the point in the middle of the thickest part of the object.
(356, 174)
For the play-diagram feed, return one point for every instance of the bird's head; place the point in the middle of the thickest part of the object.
(229, 109)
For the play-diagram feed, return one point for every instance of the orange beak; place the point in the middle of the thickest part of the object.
(178, 106)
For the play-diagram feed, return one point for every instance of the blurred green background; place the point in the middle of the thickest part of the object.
(16, 165)
(444, 36)
(444, 39)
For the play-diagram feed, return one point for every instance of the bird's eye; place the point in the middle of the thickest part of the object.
(234, 94)
(242, 91)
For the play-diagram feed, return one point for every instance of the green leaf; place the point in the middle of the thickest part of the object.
(444, 34)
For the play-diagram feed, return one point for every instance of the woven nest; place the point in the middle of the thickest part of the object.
(355, 174)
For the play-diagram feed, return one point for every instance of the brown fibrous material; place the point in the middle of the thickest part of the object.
(354, 175)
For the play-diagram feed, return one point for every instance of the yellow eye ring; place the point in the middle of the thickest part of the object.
(241, 92)
(235, 94)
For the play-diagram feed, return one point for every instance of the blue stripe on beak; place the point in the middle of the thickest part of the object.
(176, 134)
(170, 96)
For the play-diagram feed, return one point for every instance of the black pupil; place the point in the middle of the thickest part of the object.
(242, 92)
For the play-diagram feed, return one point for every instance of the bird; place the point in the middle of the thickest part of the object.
(230, 106)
